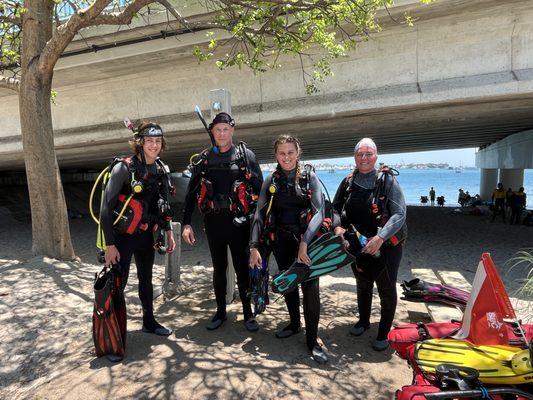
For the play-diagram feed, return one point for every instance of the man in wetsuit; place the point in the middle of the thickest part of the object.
(219, 179)
(145, 178)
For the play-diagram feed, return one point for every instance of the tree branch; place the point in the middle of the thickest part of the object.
(123, 17)
(174, 12)
(64, 34)
(10, 19)
(9, 83)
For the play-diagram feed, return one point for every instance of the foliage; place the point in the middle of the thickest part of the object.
(10, 35)
(524, 259)
(258, 33)
(317, 31)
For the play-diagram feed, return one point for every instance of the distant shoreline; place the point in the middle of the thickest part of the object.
(349, 167)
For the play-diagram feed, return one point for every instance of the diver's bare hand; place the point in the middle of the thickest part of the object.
(171, 243)
(373, 245)
(112, 256)
(339, 231)
(188, 235)
(255, 258)
(302, 254)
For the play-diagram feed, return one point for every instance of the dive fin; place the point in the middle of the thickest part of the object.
(289, 279)
(417, 290)
(327, 254)
(109, 313)
(332, 254)
(258, 291)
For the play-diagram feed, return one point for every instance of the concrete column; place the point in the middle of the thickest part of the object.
(488, 182)
(512, 178)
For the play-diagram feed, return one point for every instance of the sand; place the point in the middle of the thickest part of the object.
(45, 323)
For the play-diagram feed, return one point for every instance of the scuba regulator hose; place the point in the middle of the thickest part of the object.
(105, 172)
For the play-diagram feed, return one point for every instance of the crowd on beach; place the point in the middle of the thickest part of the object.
(509, 202)
(503, 203)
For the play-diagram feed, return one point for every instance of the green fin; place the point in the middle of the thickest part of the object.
(327, 254)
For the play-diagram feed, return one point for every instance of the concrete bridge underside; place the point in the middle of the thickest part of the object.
(462, 77)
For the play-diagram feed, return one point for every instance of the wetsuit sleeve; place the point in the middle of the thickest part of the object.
(257, 175)
(397, 209)
(317, 208)
(258, 222)
(339, 200)
(190, 196)
(120, 175)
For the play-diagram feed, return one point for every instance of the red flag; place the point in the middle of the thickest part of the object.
(487, 306)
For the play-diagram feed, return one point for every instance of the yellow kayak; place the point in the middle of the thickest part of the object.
(505, 365)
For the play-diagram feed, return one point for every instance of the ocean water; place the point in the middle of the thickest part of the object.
(417, 182)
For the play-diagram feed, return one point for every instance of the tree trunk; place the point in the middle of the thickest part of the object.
(50, 227)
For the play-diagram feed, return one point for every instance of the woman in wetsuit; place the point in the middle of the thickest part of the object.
(215, 177)
(144, 175)
(281, 216)
(373, 202)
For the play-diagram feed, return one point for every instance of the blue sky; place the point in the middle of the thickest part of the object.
(458, 157)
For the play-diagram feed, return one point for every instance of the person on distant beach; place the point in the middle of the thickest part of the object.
(223, 178)
(432, 196)
(441, 201)
(467, 198)
(461, 198)
(372, 201)
(518, 204)
(498, 198)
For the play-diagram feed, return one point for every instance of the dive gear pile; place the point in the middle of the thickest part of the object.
(466, 359)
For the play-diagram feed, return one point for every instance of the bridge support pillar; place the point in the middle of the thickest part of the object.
(488, 182)
(512, 178)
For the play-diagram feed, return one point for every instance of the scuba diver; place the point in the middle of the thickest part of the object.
(373, 202)
(225, 182)
(139, 186)
(290, 211)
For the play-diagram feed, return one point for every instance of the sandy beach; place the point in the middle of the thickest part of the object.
(46, 305)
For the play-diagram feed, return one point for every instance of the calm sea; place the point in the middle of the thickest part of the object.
(417, 182)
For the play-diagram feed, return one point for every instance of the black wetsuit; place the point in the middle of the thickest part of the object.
(287, 206)
(355, 208)
(141, 243)
(222, 170)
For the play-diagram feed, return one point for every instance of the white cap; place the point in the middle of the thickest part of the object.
(365, 142)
